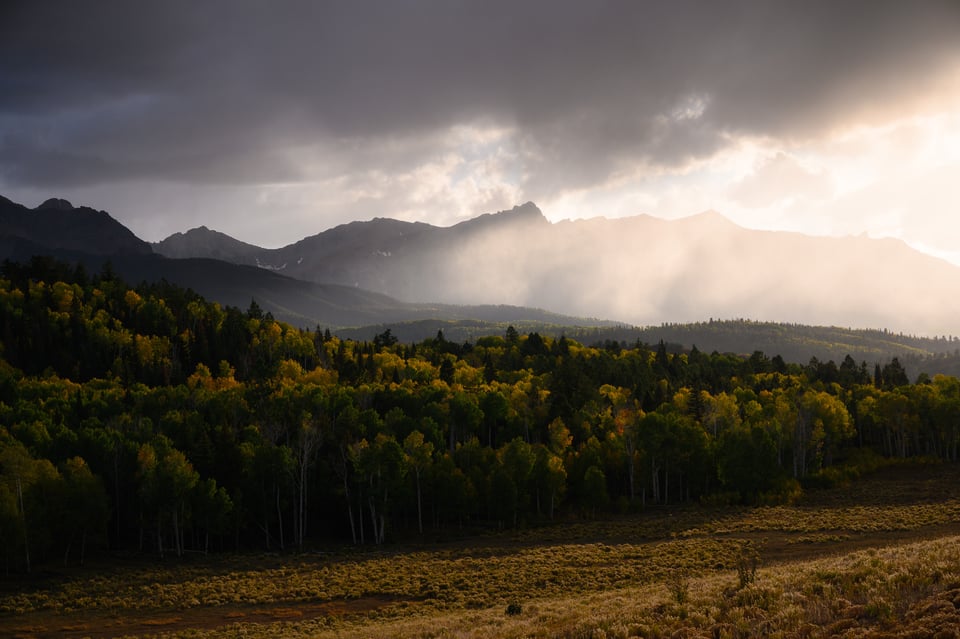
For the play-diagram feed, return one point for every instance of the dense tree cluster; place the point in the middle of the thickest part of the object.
(149, 418)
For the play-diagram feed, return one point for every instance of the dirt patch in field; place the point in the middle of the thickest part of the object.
(780, 548)
(103, 624)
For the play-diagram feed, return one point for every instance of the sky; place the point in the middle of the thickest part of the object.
(271, 121)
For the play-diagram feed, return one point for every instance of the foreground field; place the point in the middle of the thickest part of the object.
(878, 558)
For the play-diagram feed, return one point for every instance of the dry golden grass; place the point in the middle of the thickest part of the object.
(892, 592)
(827, 568)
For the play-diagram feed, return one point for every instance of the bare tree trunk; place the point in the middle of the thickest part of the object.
(419, 504)
(23, 517)
(66, 554)
(655, 471)
(346, 493)
(279, 517)
(266, 523)
(373, 519)
(308, 443)
(116, 494)
(176, 534)
(360, 517)
(799, 446)
(303, 509)
(383, 518)
(160, 533)
(666, 483)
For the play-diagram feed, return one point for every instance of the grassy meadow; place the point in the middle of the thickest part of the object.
(879, 557)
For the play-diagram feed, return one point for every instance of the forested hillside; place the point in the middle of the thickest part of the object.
(795, 343)
(150, 419)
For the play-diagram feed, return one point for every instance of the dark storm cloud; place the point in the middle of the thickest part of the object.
(219, 91)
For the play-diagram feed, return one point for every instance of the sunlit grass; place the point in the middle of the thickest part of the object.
(669, 572)
(908, 590)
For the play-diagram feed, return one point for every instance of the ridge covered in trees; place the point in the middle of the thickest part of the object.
(148, 418)
(793, 342)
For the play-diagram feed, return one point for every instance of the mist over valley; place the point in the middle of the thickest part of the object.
(638, 270)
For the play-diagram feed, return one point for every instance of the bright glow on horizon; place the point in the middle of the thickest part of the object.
(893, 180)
(822, 119)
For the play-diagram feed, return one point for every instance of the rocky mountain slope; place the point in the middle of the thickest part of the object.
(223, 270)
(640, 270)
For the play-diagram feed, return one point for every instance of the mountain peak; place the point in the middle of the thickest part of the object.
(523, 213)
(200, 231)
(527, 207)
(526, 210)
(201, 241)
(708, 221)
(710, 216)
(55, 204)
(197, 233)
(57, 228)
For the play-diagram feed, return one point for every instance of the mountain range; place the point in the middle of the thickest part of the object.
(476, 276)
(91, 237)
(639, 270)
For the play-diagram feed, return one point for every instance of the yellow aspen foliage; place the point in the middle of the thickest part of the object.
(321, 377)
(290, 370)
(225, 376)
(132, 299)
(201, 378)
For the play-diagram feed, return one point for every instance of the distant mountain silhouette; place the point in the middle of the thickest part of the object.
(629, 268)
(82, 235)
(641, 270)
(202, 242)
(57, 225)
(308, 304)
(389, 256)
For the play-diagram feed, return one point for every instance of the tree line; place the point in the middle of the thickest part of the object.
(148, 418)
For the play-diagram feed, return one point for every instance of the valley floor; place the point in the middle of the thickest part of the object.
(878, 558)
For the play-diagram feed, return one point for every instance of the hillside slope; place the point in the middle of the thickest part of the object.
(640, 270)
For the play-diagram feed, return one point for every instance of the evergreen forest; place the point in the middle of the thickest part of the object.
(147, 419)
